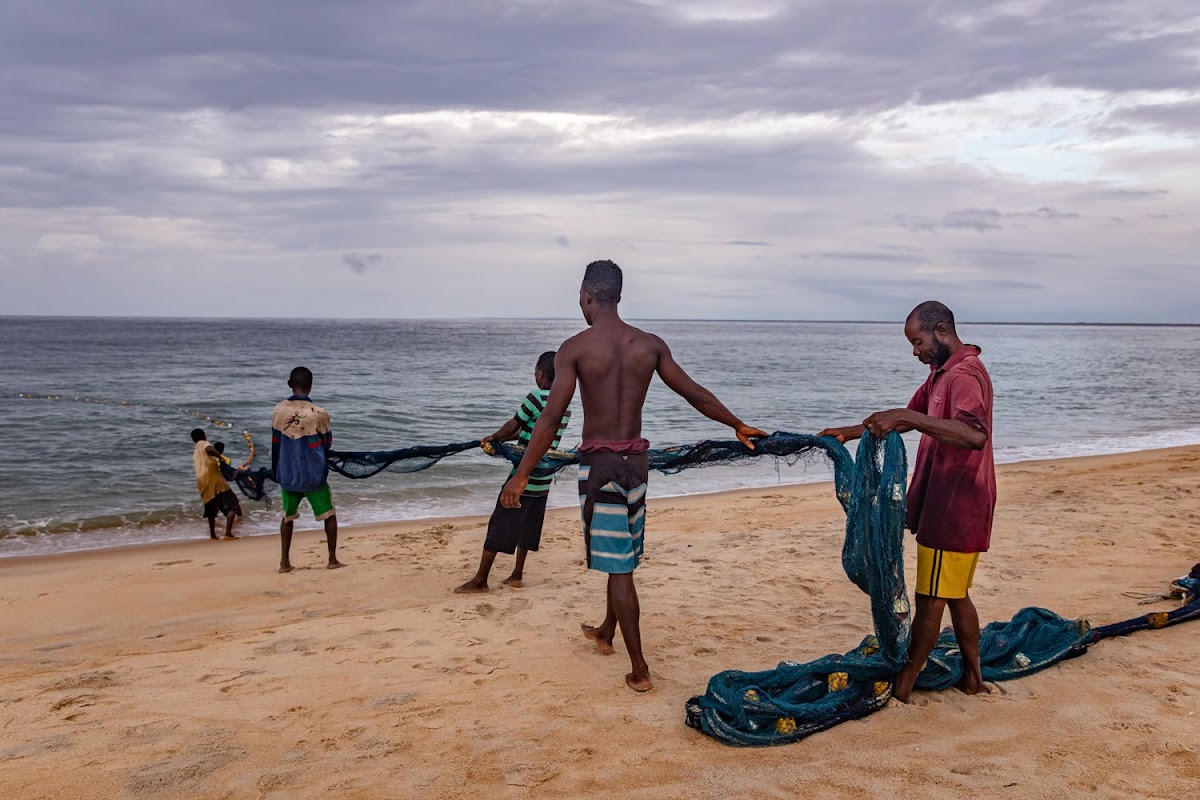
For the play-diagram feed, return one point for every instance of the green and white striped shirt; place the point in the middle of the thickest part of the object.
(527, 415)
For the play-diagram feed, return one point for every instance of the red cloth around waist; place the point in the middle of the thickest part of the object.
(615, 446)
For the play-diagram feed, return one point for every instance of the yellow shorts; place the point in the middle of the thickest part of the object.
(944, 573)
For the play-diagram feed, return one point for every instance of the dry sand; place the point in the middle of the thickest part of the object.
(193, 670)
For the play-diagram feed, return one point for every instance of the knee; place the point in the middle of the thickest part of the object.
(961, 604)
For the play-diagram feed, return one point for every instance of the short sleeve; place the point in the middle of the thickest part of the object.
(530, 410)
(967, 402)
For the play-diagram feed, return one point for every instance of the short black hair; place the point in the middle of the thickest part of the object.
(301, 379)
(198, 435)
(931, 313)
(219, 447)
(545, 364)
(603, 281)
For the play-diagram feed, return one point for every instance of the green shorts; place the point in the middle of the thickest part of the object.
(319, 498)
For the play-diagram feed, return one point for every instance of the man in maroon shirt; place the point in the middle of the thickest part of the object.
(952, 494)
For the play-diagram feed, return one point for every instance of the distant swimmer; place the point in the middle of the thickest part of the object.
(613, 362)
(300, 439)
(519, 529)
(215, 493)
(952, 494)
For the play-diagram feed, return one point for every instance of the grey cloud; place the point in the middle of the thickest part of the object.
(1183, 116)
(982, 220)
(574, 56)
(978, 219)
(137, 135)
(360, 262)
(1003, 259)
(892, 258)
(1047, 213)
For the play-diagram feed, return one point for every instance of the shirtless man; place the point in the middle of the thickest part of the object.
(613, 363)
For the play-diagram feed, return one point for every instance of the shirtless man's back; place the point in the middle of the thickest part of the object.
(613, 363)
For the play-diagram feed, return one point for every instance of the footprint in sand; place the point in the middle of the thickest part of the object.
(528, 775)
(275, 780)
(391, 700)
(81, 701)
(183, 776)
(285, 646)
(172, 563)
(48, 744)
(85, 680)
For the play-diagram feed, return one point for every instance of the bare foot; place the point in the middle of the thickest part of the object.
(638, 684)
(283, 568)
(472, 587)
(230, 536)
(334, 564)
(902, 685)
(514, 581)
(604, 645)
(969, 684)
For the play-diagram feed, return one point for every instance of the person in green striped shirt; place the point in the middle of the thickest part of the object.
(519, 529)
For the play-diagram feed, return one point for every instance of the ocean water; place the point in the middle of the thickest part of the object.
(80, 475)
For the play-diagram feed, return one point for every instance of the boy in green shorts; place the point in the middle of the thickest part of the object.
(300, 439)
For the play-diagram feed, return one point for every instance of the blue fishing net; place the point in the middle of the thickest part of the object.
(795, 700)
(357, 464)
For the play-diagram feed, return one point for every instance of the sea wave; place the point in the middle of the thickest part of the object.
(44, 536)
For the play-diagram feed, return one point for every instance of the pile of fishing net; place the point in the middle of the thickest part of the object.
(796, 700)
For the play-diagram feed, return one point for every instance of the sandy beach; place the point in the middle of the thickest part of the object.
(193, 670)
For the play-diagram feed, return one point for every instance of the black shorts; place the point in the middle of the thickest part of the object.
(224, 503)
(510, 528)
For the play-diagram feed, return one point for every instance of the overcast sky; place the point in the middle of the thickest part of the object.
(739, 158)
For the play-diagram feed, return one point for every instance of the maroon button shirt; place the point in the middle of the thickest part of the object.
(952, 495)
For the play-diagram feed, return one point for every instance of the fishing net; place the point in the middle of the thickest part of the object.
(787, 447)
(795, 700)
(364, 464)
(357, 464)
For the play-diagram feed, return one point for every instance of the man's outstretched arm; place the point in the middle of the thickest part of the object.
(505, 432)
(546, 427)
(700, 398)
(844, 434)
(953, 432)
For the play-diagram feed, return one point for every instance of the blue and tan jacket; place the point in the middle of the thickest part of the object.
(300, 438)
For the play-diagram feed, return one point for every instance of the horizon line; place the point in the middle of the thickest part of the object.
(164, 317)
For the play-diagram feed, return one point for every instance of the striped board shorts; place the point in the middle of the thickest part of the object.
(612, 501)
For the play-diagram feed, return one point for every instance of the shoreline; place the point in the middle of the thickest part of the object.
(306, 525)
